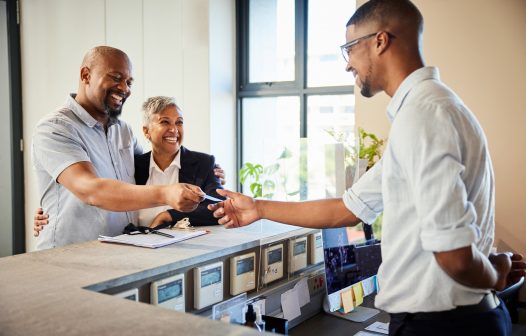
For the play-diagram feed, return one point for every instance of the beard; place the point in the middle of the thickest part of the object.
(114, 113)
(366, 84)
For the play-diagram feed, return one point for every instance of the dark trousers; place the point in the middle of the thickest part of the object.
(493, 322)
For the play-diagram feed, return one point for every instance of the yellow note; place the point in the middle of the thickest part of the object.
(347, 301)
(358, 293)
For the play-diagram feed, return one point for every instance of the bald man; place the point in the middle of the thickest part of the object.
(434, 185)
(83, 158)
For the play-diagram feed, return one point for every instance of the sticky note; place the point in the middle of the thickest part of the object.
(347, 301)
(368, 285)
(334, 302)
(358, 293)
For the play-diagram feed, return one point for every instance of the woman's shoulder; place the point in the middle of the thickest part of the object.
(198, 156)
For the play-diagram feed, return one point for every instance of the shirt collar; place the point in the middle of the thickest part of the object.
(176, 162)
(83, 115)
(407, 85)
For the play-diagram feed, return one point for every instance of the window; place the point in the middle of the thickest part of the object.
(293, 92)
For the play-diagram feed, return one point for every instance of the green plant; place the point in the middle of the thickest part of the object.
(262, 180)
(369, 147)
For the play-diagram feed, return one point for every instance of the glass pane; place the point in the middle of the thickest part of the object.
(331, 140)
(271, 138)
(326, 32)
(271, 41)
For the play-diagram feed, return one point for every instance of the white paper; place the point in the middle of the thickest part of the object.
(368, 286)
(290, 304)
(379, 327)
(302, 288)
(365, 333)
(153, 240)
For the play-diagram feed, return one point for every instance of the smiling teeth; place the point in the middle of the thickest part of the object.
(171, 139)
(116, 96)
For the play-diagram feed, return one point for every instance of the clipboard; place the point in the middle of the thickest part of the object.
(153, 240)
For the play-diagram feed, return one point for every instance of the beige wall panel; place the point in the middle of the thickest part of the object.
(222, 87)
(196, 88)
(55, 34)
(124, 30)
(482, 60)
(476, 47)
(163, 59)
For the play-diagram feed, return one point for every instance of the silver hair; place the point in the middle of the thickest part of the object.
(155, 105)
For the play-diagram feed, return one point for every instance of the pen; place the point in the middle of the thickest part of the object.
(162, 233)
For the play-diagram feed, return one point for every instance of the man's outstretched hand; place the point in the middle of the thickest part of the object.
(236, 211)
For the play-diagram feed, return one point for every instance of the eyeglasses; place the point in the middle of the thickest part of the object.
(346, 48)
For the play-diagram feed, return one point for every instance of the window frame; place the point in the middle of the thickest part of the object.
(298, 87)
(17, 141)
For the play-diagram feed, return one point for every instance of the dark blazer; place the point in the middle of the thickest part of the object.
(197, 169)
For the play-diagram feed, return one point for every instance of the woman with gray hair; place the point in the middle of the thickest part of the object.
(170, 162)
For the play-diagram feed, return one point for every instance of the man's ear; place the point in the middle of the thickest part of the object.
(85, 75)
(383, 40)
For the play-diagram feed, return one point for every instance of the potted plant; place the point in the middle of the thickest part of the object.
(263, 181)
(369, 147)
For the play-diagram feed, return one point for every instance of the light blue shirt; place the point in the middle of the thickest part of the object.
(435, 185)
(69, 136)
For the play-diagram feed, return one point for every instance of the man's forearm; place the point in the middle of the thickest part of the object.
(329, 213)
(116, 195)
(480, 273)
(469, 267)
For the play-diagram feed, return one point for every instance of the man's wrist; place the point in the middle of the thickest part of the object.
(162, 194)
(260, 208)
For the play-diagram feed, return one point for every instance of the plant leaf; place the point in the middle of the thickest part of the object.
(270, 170)
(255, 188)
(286, 154)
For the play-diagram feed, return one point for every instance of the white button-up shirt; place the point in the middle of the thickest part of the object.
(158, 177)
(436, 187)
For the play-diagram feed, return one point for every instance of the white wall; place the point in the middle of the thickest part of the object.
(169, 43)
(222, 87)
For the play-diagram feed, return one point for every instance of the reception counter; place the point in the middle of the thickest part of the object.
(59, 291)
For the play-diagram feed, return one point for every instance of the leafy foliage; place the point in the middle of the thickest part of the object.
(263, 179)
(369, 147)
